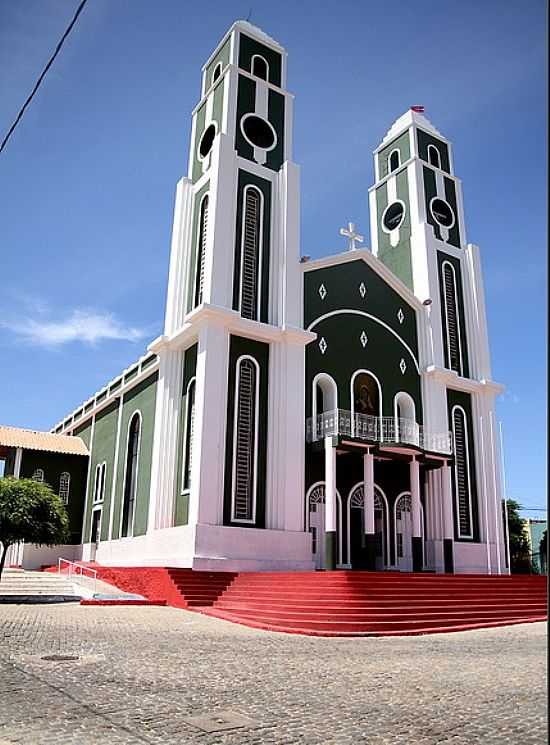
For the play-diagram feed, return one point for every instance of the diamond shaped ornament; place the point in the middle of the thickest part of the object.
(364, 339)
(322, 292)
(362, 289)
(402, 366)
(323, 345)
(400, 316)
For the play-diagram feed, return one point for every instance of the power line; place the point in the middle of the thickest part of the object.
(42, 75)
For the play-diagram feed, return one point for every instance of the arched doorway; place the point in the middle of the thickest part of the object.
(356, 527)
(403, 532)
(315, 523)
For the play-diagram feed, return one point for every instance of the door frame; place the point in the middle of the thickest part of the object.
(321, 500)
(378, 492)
(407, 493)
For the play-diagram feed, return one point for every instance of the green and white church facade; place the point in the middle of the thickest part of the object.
(299, 414)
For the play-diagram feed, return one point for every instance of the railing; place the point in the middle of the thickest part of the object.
(386, 429)
(76, 572)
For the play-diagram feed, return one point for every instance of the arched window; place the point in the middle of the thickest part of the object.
(251, 253)
(245, 441)
(130, 481)
(99, 482)
(394, 161)
(38, 475)
(64, 485)
(217, 72)
(366, 405)
(433, 156)
(260, 68)
(201, 252)
(463, 484)
(406, 428)
(189, 435)
(452, 319)
(324, 406)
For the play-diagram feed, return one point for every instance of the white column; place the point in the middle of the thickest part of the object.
(368, 491)
(330, 486)
(207, 476)
(447, 501)
(179, 254)
(414, 469)
(17, 463)
(165, 440)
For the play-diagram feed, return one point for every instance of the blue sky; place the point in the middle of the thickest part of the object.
(87, 181)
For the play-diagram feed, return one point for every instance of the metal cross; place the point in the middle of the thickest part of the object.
(352, 236)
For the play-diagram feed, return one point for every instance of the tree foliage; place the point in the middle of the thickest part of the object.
(520, 550)
(30, 511)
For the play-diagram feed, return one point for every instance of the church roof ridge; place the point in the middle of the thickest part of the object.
(366, 255)
(251, 28)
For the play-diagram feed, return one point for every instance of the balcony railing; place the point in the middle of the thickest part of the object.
(386, 429)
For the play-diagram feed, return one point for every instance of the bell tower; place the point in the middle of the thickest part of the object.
(228, 449)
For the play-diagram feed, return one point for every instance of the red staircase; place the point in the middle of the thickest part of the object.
(200, 588)
(343, 603)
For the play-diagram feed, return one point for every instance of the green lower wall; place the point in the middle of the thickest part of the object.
(260, 352)
(181, 500)
(460, 398)
(53, 465)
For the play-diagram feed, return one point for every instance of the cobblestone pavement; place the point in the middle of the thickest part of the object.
(143, 672)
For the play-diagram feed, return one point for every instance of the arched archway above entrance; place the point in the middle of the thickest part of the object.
(355, 526)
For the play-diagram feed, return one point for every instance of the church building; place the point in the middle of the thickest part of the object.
(296, 413)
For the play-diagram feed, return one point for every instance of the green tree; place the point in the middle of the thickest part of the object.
(520, 550)
(30, 511)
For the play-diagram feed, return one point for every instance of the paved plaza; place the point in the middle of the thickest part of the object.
(161, 675)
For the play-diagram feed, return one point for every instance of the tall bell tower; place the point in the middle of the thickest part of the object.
(418, 231)
(228, 448)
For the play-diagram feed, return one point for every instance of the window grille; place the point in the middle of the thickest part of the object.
(244, 468)
(250, 254)
(189, 438)
(452, 321)
(64, 484)
(201, 254)
(38, 475)
(462, 474)
(130, 484)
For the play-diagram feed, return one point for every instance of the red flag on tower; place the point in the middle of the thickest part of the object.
(418, 109)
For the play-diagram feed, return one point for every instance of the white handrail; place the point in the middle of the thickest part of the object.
(76, 570)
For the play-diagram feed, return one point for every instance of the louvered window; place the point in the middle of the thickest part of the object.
(189, 435)
(250, 254)
(64, 485)
(245, 445)
(201, 253)
(452, 320)
(462, 474)
(130, 482)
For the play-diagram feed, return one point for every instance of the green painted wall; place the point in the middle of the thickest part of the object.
(345, 353)
(53, 465)
(103, 449)
(141, 398)
(459, 398)
(441, 257)
(246, 102)
(397, 258)
(195, 245)
(245, 178)
(430, 191)
(223, 57)
(249, 47)
(201, 124)
(181, 496)
(424, 139)
(401, 143)
(260, 351)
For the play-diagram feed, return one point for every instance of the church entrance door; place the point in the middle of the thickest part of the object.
(317, 530)
(356, 517)
(94, 537)
(403, 533)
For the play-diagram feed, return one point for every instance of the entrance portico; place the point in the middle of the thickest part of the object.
(389, 518)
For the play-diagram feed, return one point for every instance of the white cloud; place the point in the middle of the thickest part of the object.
(88, 327)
